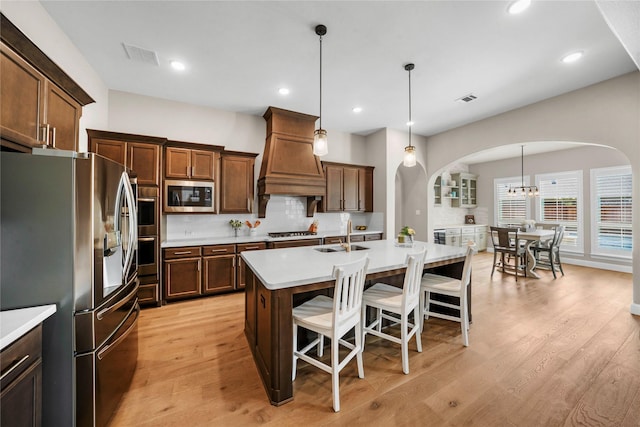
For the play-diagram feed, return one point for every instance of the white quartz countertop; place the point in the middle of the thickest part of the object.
(285, 268)
(200, 241)
(16, 323)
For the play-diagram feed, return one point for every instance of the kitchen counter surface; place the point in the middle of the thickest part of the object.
(16, 323)
(284, 268)
(200, 241)
(444, 227)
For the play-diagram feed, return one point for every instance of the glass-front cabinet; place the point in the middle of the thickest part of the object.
(467, 184)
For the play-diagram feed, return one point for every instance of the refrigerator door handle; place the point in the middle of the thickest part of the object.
(133, 221)
(122, 301)
(102, 353)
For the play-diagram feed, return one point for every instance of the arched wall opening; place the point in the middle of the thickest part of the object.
(411, 200)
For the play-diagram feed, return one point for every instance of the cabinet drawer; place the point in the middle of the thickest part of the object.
(185, 252)
(294, 243)
(334, 239)
(218, 250)
(23, 353)
(251, 246)
(368, 237)
(148, 293)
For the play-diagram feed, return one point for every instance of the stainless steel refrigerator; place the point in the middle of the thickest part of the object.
(68, 236)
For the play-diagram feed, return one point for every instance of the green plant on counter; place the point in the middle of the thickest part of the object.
(235, 223)
(407, 231)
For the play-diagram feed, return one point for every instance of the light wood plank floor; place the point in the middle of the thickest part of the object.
(542, 353)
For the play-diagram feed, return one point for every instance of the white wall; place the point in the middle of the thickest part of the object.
(606, 113)
(583, 158)
(34, 21)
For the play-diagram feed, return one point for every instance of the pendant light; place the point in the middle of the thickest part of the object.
(409, 151)
(320, 146)
(523, 190)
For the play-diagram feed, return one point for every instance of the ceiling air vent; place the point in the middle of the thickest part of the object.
(467, 98)
(141, 55)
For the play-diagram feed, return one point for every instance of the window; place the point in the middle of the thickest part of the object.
(611, 210)
(510, 209)
(560, 202)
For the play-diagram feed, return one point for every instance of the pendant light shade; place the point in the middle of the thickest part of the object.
(409, 151)
(320, 145)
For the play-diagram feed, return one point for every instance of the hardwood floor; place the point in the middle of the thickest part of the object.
(542, 353)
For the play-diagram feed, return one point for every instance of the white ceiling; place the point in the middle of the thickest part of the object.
(238, 53)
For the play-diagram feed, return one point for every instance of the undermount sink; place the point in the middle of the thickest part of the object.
(340, 248)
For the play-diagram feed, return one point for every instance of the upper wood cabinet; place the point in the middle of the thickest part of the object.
(236, 182)
(188, 163)
(40, 105)
(141, 154)
(349, 188)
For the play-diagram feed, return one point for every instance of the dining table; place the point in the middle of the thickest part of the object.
(531, 237)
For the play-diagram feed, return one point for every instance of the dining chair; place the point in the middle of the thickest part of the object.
(551, 252)
(506, 242)
(395, 305)
(334, 318)
(435, 284)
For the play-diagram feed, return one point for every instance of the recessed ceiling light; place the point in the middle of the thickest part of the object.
(572, 57)
(357, 109)
(177, 65)
(283, 91)
(518, 6)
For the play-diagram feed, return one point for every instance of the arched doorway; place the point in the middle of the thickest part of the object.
(411, 200)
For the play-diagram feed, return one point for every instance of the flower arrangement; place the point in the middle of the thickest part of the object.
(235, 224)
(407, 231)
(406, 235)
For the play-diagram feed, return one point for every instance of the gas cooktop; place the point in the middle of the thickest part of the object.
(292, 233)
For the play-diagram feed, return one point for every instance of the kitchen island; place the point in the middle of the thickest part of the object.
(279, 279)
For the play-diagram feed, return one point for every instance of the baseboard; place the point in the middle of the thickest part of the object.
(635, 309)
(592, 264)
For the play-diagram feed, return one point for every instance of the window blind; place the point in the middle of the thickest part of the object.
(511, 209)
(613, 209)
(559, 203)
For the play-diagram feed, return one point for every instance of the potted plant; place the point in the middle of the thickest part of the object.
(406, 234)
(235, 224)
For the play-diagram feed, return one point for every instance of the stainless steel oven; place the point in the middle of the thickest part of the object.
(188, 196)
(147, 211)
(147, 255)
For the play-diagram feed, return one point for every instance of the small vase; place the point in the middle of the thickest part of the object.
(235, 232)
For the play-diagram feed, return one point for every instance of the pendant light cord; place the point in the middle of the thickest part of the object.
(410, 121)
(522, 165)
(320, 82)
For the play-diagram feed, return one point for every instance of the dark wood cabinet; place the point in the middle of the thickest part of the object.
(240, 269)
(39, 103)
(21, 384)
(139, 153)
(187, 163)
(34, 110)
(236, 182)
(144, 159)
(349, 188)
(182, 272)
(219, 273)
(62, 119)
(293, 243)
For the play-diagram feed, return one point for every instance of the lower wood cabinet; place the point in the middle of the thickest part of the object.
(21, 383)
(293, 243)
(204, 270)
(182, 272)
(240, 270)
(219, 272)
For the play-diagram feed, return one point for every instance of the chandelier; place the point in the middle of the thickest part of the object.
(523, 190)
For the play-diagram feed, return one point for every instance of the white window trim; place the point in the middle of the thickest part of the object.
(508, 180)
(595, 250)
(579, 247)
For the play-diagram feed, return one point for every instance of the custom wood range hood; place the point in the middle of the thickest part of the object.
(289, 166)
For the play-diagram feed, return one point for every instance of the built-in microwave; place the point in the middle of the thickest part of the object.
(188, 196)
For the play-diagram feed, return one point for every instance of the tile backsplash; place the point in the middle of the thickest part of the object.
(284, 213)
